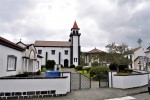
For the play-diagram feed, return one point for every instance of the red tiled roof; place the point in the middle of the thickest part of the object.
(10, 44)
(75, 26)
(52, 43)
(95, 51)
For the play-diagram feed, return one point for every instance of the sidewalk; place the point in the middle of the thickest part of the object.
(92, 94)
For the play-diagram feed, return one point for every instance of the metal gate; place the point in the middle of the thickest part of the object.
(79, 81)
(103, 80)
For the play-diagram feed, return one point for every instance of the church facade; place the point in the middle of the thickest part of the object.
(17, 58)
(62, 52)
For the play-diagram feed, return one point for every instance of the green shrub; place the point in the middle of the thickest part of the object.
(25, 74)
(50, 64)
(38, 72)
(127, 70)
(96, 72)
(42, 66)
(87, 68)
(95, 64)
(130, 70)
(72, 66)
(44, 70)
(62, 66)
(113, 67)
(122, 68)
(79, 67)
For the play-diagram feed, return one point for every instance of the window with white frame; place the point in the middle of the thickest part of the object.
(11, 63)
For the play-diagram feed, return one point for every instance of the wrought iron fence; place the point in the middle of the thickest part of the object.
(103, 80)
(79, 81)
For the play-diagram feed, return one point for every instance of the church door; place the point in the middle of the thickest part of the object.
(66, 63)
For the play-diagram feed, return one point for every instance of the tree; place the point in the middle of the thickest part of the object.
(117, 54)
(50, 64)
(103, 58)
(82, 59)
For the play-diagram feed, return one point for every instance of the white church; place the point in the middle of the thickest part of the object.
(62, 52)
(16, 58)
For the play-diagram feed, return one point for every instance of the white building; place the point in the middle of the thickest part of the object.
(15, 59)
(93, 56)
(137, 56)
(62, 52)
(147, 59)
(18, 58)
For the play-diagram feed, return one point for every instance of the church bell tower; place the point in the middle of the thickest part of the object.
(75, 45)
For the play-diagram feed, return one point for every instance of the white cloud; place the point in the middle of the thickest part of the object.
(101, 21)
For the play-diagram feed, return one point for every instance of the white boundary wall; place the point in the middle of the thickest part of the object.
(61, 85)
(128, 81)
(68, 83)
(22, 85)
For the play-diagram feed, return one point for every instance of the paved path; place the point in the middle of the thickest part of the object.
(69, 70)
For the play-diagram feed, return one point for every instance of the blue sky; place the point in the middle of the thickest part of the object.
(101, 21)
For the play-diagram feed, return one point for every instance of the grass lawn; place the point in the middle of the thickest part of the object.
(62, 69)
(80, 71)
(84, 72)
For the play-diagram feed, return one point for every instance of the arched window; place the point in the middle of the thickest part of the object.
(32, 55)
(74, 32)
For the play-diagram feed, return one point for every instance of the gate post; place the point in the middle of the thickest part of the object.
(99, 82)
(111, 80)
(90, 80)
(108, 80)
(80, 80)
